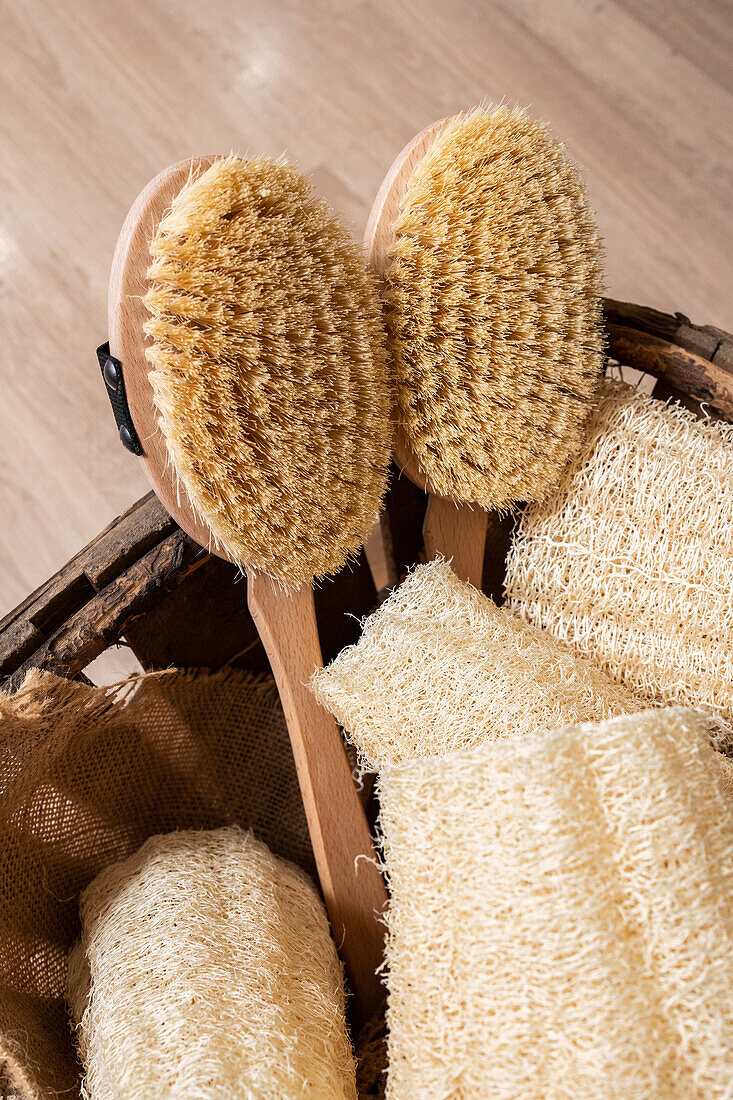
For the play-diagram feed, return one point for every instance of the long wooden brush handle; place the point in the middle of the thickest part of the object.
(458, 532)
(352, 885)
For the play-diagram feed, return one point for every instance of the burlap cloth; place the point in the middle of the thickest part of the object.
(86, 775)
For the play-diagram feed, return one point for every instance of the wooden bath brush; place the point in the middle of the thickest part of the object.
(248, 336)
(490, 266)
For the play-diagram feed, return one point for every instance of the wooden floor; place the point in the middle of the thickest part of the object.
(97, 96)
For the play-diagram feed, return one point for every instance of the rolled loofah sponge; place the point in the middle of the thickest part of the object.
(561, 919)
(440, 667)
(493, 309)
(206, 970)
(269, 369)
(630, 560)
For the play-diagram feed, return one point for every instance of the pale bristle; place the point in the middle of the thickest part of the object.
(206, 969)
(493, 310)
(269, 369)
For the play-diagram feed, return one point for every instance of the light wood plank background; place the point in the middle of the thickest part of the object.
(98, 95)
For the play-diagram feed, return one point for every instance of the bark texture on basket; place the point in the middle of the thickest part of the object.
(696, 360)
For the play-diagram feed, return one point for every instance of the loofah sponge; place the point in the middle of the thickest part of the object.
(440, 667)
(269, 369)
(206, 970)
(630, 560)
(726, 769)
(493, 309)
(561, 921)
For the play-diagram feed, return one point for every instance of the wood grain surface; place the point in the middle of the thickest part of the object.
(126, 316)
(378, 238)
(352, 885)
(97, 97)
(457, 532)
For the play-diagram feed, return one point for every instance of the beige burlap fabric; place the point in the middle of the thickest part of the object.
(86, 776)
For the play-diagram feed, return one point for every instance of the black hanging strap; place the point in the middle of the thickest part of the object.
(111, 369)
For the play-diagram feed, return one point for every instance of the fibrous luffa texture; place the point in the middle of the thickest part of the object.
(269, 369)
(206, 970)
(493, 310)
(440, 667)
(630, 560)
(559, 924)
(561, 916)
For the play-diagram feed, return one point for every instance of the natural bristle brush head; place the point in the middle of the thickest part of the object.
(492, 283)
(266, 359)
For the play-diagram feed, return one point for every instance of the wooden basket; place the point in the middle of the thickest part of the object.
(145, 584)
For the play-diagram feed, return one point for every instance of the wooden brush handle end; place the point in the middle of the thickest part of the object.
(457, 532)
